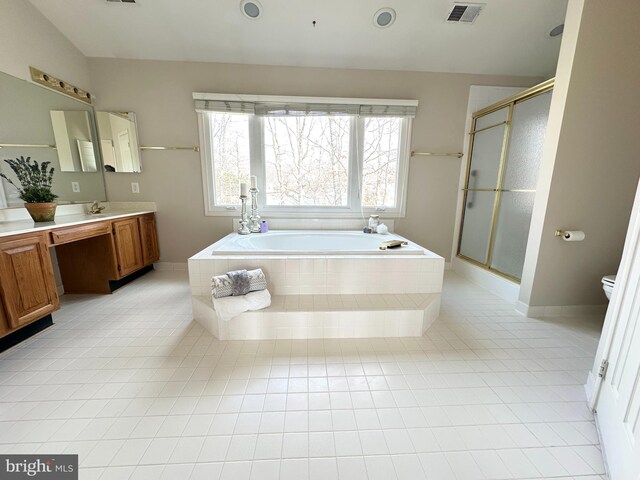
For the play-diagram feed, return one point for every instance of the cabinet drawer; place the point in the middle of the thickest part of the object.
(71, 234)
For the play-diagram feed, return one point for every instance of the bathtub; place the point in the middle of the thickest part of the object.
(312, 242)
(324, 284)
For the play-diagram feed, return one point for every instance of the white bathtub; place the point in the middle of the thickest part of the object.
(391, 293)
(311, 242)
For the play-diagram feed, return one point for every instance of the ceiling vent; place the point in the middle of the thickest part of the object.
(464, 12)
(121, 1)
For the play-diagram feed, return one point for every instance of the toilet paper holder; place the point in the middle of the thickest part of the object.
(570, 235)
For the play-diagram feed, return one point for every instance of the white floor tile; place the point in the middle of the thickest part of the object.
(140, 391)
(294, 469)
(295, 445)
(323, 469)
(380, 467)
(351, 468)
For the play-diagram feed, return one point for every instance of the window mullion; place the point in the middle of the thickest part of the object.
(404, 157)
(355, 164)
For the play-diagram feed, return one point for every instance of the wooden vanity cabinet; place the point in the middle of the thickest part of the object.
(93, 257)
(126, 237)
(117, 249)
(4, 326)
(27, 285)
(149, 239)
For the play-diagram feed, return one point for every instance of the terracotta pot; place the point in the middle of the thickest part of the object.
(42, 212)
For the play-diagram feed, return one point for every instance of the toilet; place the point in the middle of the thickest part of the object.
(608, 282)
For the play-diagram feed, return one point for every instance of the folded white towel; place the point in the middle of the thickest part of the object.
(228, 307)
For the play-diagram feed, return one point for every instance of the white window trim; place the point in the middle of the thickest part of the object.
(258, 167)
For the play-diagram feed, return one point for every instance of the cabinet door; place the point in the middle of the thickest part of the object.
(126, 234)
(149, 239)
(4, 325)
(27, 285)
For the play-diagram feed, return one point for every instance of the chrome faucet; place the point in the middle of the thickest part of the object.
(96, 208)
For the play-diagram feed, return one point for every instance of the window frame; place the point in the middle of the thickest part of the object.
(257, 166)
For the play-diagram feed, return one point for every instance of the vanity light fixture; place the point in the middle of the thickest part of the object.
(384, 17)
(251, 9)
(49, 81)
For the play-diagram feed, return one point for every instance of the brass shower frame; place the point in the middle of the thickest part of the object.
(509, 103)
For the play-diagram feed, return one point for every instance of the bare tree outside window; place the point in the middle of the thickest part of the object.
(230, 151)
(307, 160)
(380, 161)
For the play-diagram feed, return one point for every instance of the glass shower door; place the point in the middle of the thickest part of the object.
(482, 181)
(505, 153)
(522, 165)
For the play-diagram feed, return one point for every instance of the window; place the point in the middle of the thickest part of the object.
(230, 152)
(315, 157)
(307, 160)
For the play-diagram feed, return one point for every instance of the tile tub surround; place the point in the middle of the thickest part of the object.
(326, 274)
(326, 296)
(140, 391)
(325, 316)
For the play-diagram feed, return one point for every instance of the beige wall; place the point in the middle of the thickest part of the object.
(160, 95)
(27, 38)
(591, 162)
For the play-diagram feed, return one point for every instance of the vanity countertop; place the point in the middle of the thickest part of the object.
(20, 226)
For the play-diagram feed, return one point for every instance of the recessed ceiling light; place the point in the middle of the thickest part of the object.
(251, 9)
(557, 31)
(384, 17)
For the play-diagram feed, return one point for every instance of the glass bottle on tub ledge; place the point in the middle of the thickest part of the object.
(374, 221)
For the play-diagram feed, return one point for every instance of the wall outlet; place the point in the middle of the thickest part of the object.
(75, 187)
(135, 187)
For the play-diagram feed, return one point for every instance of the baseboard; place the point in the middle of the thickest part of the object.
(171, 266)
(25, 332)
(590, 386)
(116, 284)
(550, 311)
(500, 286)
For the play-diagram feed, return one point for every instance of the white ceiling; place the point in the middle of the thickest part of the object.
(509, 36)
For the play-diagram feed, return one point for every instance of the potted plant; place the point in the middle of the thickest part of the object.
(35, 187)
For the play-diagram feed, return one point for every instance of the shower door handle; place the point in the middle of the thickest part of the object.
(471, 195)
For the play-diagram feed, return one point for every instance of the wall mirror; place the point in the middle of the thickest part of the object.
(49, 126)
(119, 141)
(72, 131)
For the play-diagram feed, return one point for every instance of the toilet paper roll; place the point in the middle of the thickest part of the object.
(573, 235)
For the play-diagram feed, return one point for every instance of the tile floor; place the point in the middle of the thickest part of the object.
(140, 391)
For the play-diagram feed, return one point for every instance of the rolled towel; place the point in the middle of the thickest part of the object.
(240, 282)
(224, 285)
(228, 307)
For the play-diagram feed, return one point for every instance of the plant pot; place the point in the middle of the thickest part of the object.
(42, 212)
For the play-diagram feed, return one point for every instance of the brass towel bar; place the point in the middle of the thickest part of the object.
(429, 154)
(194, 149)
(24, 145)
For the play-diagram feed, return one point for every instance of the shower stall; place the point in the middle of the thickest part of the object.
(505, 149)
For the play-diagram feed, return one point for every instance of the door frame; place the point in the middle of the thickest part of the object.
(609, 329)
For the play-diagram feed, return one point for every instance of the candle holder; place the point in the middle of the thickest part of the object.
(243, 230)
(254, 219)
